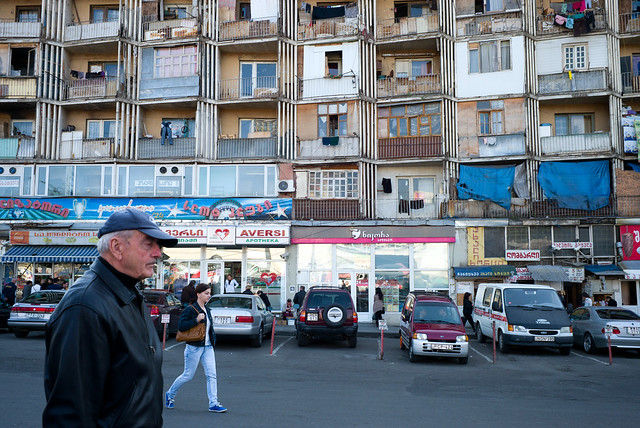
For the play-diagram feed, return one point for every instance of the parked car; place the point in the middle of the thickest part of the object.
(327, 312)
(240, 315)
(430, 325)
(5, 311)
(162, 302)
(32, 313)
(589, 324)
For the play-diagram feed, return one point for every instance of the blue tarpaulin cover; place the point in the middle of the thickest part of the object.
(486, 183)
(576, 185)
(634, 166)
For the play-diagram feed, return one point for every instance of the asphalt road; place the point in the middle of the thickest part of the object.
(332, 385)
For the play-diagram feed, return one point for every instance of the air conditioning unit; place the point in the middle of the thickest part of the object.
(170, 170)
(286, 186)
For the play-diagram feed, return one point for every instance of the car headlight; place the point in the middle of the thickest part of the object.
(519, 328)
(462, 338)
(420, 336)
(567, 329)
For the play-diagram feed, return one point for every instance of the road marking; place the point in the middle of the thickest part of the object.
(281, 345)
(481, 354)
(590, 358)
(173, 346)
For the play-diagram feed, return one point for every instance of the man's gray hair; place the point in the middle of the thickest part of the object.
(103, 242)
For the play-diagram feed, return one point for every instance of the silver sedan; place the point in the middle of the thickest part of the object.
(589, 323)
(238, 315)
(33, 312)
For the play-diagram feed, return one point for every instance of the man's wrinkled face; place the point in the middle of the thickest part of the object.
(139, 255)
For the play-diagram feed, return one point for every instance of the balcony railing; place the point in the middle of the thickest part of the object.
(630, 22)
(17, 87)
(630, 82)
(325, 28)
(489, 24)
(10, 28)
(576, 143)
(17, 148)
(249, 87)
(316, 148)
(91, 30)
(546, 23)
(86, 148)
(170, 29)
(328, 87)
(410, 147)
(589, 80)
(397, 27)
(106, 87)
(628, 206)
(326, 209)
(239, 30)
(248, 148)
(154, 149)
(402, 86)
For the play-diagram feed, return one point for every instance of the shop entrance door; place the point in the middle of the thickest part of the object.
(358, 285)
(217, 273)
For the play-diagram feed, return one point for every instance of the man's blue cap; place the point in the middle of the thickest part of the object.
(133, 219)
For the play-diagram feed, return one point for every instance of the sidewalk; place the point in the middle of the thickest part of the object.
(368, 329)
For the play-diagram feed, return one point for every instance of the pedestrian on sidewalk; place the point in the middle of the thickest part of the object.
(467, 311)
(378, 306)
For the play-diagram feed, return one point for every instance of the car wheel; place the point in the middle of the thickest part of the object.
(412, 357)
(588, 344)
(20, 333)
(502, 347)
(256, 342)
(565, 350)
(352, 341)
(302, 339)
(463, 360)
(481, 337)
(334, 315)
(402, 347)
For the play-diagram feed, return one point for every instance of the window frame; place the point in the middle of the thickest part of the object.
(388, 117)
(27, 9)
(105, 8)
(333, 57)
(409, 74)
(270, 125)
(164, 62)
(19, 121)
(333, 184)
(101, 123)
(500, 46)
(335, 123)
(569, 116)
(205, 178)
(570, 57)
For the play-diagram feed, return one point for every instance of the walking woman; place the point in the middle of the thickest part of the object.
(195, 352)
(378, 305)
(467, 311)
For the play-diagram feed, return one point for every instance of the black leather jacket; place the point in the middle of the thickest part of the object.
(189, 318)
(104, 359)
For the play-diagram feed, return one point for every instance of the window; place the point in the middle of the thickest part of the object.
(416, 189)
(333, 184)
(332, 120)
(176, 12)
(254, 75)
(573, 124)
(23, 61)
(494, 245)
(482, 6)
(490, 114)
(518, 238)
(575, 57)
(27, 14)
(177, 61)
(104, 13)
(413, 68)
(409, 120)
(10, 183)
(487, 57)
(182, 128)
(249, 126)
(22, 128)
(405, 10)
(101, 129)
(244, 11)
(242, 180)
(81, 180)
(110, 68)
(333, 63)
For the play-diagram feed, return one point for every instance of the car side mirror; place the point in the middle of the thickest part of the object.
(496, 307)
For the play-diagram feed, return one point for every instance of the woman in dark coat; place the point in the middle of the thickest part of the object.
(467, 311)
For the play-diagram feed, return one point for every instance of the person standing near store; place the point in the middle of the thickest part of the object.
(230, 284)
(265, 299)
(103, 363)
(298, 298)
(188, 295)
(378, 305)
(197, 351)
(467, 311)
(26, 291)
(586, 300)
(9, 292)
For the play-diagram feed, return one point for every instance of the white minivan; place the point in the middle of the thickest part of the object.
(524, 315)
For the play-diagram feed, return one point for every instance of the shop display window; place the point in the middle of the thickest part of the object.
(266, 276)
(395, 288)
(315, 257)
(353, 256)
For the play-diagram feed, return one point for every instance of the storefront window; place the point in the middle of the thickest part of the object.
(353, 256)
(395, 287)
(182, 266)
(430, 256)
(315, 257)
(79, 269)
(430, 280)
(223, 254)
(392, 256)
(62, 271)
(265, 253)
(266, 276)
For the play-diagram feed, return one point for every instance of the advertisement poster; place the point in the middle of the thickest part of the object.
(475, 249)
(630, 239)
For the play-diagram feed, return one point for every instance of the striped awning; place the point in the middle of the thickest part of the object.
(51, 253)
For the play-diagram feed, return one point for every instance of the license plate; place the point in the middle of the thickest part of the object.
(222, 320)
(312, 316)
(633, 330)
(34, 315)
(544, 339)
(442, 346)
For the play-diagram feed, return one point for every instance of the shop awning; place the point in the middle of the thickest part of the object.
(51, 253)
(604, 270)
(548, 273)
(484, 271)
(631, 269)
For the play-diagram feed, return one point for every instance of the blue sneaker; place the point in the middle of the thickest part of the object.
(217, 409)
(168, 402)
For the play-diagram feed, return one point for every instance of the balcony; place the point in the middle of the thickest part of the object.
(326, 209)
(327, 28)
(152, 148)
(16, 30)
(106, 87)
(578, 143)
(338, 86)
(404, 86)
(630, 83)
(17, 148)
(630, 22)
(17, 87)
(85, 148)
(242, 30)
(248, 148)
(398, 27)
(495, 23)
(546, 26)
(315, 149)
(91, 30)
(559, 83)
(170, 29)
(249, 87)
(410, 147)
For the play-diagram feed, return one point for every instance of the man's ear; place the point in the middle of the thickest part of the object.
(116, 248)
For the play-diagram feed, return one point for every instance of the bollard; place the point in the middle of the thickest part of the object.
(382, 344)
(273, 333)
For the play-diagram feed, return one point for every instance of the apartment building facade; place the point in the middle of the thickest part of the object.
(377, 143)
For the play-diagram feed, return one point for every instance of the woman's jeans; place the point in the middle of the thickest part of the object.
(193, 355)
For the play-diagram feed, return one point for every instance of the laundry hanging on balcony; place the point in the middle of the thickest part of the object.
(576, 185)
(327, 12)
(481, 183)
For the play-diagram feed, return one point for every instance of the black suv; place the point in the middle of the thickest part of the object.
(327, 312)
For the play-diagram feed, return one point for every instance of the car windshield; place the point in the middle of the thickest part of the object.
(322, 300)
(230, 302)
(43, 297)
(436, 313)
(151, 297)
(532, 297)
(617, 314)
